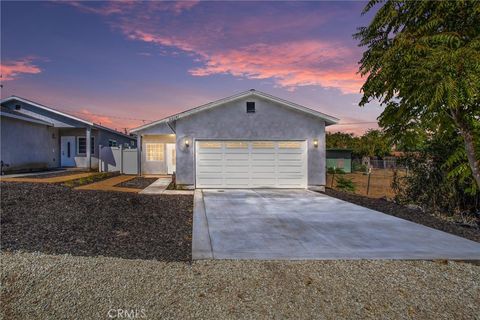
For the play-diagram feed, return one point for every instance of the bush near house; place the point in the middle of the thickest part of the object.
(345, 184)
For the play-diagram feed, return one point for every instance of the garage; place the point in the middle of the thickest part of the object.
(251, 164)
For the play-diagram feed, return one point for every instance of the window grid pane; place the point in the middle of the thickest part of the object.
(154, 151)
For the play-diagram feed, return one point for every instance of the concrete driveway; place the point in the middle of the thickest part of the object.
(300, 224)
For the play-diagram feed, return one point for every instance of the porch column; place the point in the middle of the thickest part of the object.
(88, 137)
(139, 154)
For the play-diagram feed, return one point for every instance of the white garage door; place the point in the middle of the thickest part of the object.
(251, 164)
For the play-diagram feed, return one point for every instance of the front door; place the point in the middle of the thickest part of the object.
(67, 151)
(171, 166)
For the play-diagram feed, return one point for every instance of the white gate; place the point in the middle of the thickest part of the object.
(118, 159)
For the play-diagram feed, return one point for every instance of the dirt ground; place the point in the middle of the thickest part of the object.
(380, 182)
(417, 216)
(55, 219)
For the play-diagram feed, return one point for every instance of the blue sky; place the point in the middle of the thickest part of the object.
(125, 63)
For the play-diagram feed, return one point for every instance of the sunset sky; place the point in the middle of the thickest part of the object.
(126, 63)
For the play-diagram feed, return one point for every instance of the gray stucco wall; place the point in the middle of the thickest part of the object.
(26, 145)
(101, 137)
(269, 122)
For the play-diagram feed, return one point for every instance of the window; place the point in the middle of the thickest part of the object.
(340, 163)
(82, 145)
(250, 107)
(112, 143)
(154, 151)
(210, 144)
(263, 145)
(237, 145)
(289, 145)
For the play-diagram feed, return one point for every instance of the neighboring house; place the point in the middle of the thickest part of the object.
(35, 137)
(339, 159)
(249, 140)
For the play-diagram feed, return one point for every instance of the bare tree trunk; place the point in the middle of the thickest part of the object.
(468, 138)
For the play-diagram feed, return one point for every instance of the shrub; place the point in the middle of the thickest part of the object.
(359, 167)
(431, 185)
(335, 171)
(345, 184)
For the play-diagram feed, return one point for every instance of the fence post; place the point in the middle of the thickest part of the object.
(100, 163)
(333, 176)
(368, 181)
(121, 159)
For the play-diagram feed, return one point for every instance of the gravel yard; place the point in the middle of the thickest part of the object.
(38, 286)
(137, 183)
(403, 212)
(55, 219)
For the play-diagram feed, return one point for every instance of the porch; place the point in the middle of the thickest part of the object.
(157, 155)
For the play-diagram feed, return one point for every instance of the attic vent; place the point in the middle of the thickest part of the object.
(18, 107)
(250, 107)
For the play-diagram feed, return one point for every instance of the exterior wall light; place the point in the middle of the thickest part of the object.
(315, 143)
(187, 143)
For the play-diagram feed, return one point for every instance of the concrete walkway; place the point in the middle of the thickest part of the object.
(59, 179)
(109, 185)
(159, 186)
(300, 224)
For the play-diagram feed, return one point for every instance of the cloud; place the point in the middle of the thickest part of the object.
(10, 70)
(278, 43)
(100, 119)
(292, 64)
(108, 8)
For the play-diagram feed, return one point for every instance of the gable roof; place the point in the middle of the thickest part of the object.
(43, 107)
(5, 112)
(250, 93)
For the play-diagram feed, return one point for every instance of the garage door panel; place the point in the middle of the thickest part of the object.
(264, 169)
(290, 156)
(251, 164)
(243, 170)
(210, 156)
(237, 183)
(237, 156)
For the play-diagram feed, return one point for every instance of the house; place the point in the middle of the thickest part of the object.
(339, 159)
(248, 140)
(35, 137)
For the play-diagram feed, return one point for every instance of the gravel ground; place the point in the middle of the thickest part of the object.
(38, 286)
(137, 183)
(56, 219)
(403, 212)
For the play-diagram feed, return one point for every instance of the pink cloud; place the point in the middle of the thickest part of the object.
(292, 64)
(246, 47)
(10, 70)
(103, 120)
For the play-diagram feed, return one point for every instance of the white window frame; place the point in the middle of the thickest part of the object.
(78, 145)
(112, 143)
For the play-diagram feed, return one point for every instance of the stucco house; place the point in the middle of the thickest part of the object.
(34, 136)
(248, 140)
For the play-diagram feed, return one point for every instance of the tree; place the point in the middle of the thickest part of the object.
(373, 143)
(422, 63)
(341, 140)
